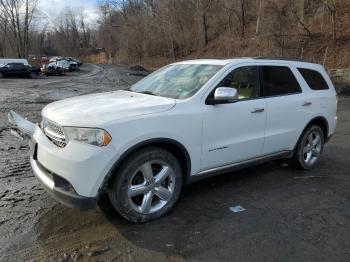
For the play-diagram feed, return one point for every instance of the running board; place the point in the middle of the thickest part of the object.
(239, 165)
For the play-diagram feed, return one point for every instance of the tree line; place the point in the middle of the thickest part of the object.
(156, 32)
(25, 31)
(159, 30)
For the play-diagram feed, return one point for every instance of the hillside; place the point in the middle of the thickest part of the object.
(158, 32)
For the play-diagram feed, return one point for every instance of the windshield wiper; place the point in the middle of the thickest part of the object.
(147, 93)
(141, 92)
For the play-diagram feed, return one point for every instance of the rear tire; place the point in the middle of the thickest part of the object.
(1, 75)
(309, 148)
(147, 185)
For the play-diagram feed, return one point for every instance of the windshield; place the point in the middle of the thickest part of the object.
(176, 81)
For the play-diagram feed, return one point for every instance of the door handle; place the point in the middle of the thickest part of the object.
(307, 104)
(258, 110)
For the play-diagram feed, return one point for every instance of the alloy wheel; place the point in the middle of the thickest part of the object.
(151, 187)
(312, 148)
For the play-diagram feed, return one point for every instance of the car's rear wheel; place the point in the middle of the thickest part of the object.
(1, 75)
(309, 148)
(147, 185)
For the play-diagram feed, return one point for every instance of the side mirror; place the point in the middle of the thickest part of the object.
(224, 95)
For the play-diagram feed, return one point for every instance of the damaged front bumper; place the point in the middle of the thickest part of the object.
(59, 188)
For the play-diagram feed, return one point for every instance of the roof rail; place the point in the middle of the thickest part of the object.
(280, 58)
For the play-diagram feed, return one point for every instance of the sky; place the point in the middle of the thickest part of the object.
(52, 9)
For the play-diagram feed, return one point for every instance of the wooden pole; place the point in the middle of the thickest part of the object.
(302, 52)
(325, 56)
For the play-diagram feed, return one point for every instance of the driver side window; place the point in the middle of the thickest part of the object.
(245, 80)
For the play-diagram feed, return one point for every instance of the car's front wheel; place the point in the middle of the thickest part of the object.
(309, 148)
(147, 185)
(1, 75)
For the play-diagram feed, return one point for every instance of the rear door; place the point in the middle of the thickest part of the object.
(234, 132)
(286, 108)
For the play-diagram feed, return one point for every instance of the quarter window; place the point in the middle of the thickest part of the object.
(314, 79)
(279, 80)
(245, 80)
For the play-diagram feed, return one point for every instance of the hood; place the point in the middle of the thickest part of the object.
(96, 109)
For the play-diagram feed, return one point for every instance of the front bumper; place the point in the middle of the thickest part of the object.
(57, 187)
(73, 175)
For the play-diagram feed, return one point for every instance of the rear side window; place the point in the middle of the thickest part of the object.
(279, 80)
(314, 79)
(19, 66)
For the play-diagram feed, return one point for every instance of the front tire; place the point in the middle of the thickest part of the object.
(147, 185)
(309, 148)
(1, 75)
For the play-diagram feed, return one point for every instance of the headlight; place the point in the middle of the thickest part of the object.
(92, 136)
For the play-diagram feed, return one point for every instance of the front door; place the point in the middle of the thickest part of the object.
(9, 69)
(234, 132)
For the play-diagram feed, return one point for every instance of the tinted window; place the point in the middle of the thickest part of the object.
(245, 80)
(314, 79)
(19, 66)
(279, 80)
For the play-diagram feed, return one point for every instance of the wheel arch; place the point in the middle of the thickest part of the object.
(319, 121)
(173, 146)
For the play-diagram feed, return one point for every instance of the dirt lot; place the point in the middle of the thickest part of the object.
(290, 215)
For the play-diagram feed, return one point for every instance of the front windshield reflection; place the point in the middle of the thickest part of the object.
(176, 81)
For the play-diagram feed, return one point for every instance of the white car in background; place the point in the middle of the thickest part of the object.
(67, 64)
(13, 60)
(184, 122)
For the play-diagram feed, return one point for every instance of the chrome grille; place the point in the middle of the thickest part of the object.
(55, 127)
(54, 132)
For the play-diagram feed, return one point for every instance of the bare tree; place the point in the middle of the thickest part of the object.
(331, 6)
(259, 15)
(298, 13)
(16, 23)
(239, 10)
(202, 8)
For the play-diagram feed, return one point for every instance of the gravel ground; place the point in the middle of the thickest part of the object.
(289, 215)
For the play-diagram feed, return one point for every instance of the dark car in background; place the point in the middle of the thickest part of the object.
(71, 59)
(18, 69)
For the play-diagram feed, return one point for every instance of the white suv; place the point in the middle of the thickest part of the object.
(184, 122)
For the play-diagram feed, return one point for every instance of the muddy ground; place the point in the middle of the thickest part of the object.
(290, 215)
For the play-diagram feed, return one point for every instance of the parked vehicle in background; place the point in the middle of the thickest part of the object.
(55, 58)
(52, 69)
(68, 65)
(73, 66)
(18, 69)
(71, 59)
(13, 60)
(184, 122)
(62, 63)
